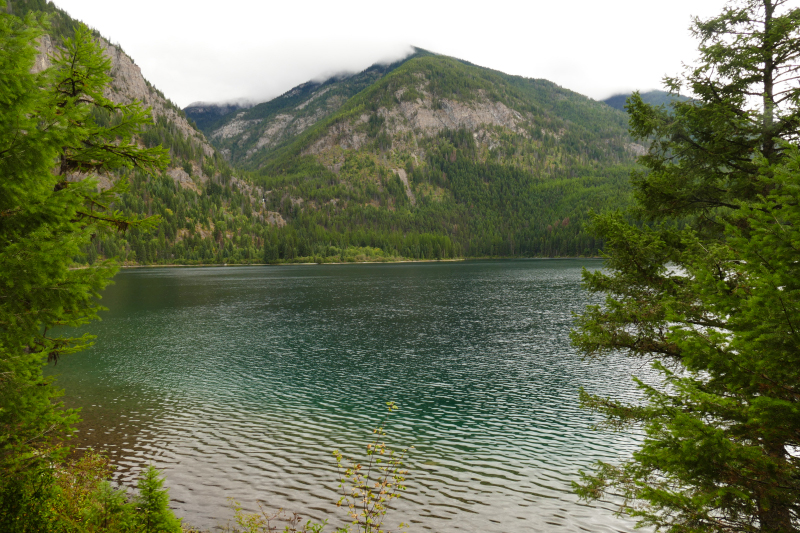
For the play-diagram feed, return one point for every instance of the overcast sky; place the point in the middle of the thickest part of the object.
(220, 50)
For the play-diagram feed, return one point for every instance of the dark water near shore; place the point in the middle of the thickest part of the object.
(239, 382)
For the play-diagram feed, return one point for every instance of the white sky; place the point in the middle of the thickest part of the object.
(201, 50)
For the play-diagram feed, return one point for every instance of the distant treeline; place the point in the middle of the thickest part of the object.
(465, 207)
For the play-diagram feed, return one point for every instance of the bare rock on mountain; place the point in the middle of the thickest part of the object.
(404, 178)
(127, 85)
(182, 178)
(636, 149)
(453, 115)
(274, 218)
(234, 127)
(46, 51)
(423, 117)
(313, 97)
(342, 134)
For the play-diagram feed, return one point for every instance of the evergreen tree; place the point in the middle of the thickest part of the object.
(708, 289)
(152, 505)
(47, 121)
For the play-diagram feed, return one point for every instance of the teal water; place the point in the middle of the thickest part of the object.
(239, 382)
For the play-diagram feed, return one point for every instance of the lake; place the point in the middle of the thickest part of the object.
(240, 382)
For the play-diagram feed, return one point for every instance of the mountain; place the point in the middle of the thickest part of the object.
(206, 114)
(468, 160)
(429, 157)
(127, 84)
(655, 98)
(242, 134)
(197, 189)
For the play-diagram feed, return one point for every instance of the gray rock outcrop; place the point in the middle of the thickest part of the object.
(128, 84)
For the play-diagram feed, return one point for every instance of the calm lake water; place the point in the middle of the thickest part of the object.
(240, 382)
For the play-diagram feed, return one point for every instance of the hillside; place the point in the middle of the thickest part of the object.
(244, 134)
(655, 98)
(183, 139)
(466, 160)
(206, 114)
(429, 157)
(197, 189)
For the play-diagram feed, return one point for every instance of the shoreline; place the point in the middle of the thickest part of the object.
(456, 260)
(288, 264)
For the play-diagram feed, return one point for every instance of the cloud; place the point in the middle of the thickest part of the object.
(257, 49)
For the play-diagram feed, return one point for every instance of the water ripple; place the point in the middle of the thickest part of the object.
(240, 382)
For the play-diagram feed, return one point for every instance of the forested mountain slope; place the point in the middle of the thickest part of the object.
(429, 157)
(206, 114)
(650, 97)
(440, 158)
(241, 134)
(197, 189)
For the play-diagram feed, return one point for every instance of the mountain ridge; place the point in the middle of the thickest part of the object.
(127, 81)
(240, 133)
(429, 157)
(655, 97)
(454, 129)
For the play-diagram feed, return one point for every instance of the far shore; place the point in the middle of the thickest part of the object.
(462, 259)
(311, 263)
(455, 260)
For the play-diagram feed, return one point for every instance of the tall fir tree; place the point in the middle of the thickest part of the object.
(707, 288)
(50, 207)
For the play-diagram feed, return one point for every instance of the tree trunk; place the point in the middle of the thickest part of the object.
(774, 513)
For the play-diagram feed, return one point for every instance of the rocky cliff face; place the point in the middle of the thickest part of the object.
(280, 128)
(426, 117)
(242, 133)
(128, 84)
(247, 136)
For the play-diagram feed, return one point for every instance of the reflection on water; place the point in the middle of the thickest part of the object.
(239, 382)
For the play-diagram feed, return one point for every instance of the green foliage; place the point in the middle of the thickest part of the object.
(80, 73)
(709, 291)
(108, 510)
(60, 24)
(153, 514)
(369, 487)
(43, 224)
(76, 497)
(165, 133)
(35, 229)
(26, 493)
(265, 522)
(85, 502)
(56, 118)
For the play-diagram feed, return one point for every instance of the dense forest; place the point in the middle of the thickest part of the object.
(473, 190)
(523, 186)
(653, 98)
